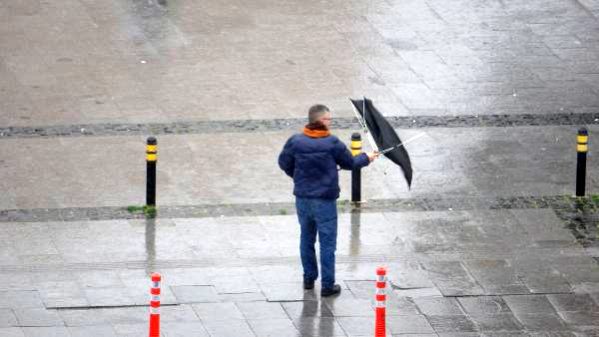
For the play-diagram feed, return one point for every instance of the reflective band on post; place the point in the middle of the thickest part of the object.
(381, 298)
(155, 306)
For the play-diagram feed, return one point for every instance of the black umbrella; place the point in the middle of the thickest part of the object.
(386, 139)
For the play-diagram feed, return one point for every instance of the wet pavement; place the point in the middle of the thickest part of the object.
(488, 242)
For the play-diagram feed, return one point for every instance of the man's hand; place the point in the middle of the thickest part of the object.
(372, 156)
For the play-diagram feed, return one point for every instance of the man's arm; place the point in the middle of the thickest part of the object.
(346, 161)
(286, 159)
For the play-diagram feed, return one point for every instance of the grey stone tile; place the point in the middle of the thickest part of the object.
(452, 279)
(229, 328)
(92, 330)
(275, 292)
(541, 321)
(306, 309)
(409, 324)
(497, 322)
(99, 279)
(178, 313)
(7, 318)
(183, 329)
(573, 302)
(453, 323)
(108, 297)
(580, 318)
(125, 316)
(38, 317)
(497, 277)
(18, 299)
(11, 332)
(343, 306)
(400, 306)
(438, 306)
(56, 331)
(78, 317)
(357, 326)
(131, 329)
(272, 327)
(261, 310)
(217, 311)
(529, 304)
(484, 305)
(318, 326)
(195, 294)
(243, 297)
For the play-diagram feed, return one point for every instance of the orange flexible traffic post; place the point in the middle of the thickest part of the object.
(155, 306)
(381, 298)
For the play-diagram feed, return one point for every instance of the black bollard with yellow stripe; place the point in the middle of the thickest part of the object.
(151, 159)
(356, 174)
(582, 141)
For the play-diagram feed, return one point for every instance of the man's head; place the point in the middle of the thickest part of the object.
(319, 113)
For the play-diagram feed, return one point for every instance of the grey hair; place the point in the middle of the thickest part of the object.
(316, 112)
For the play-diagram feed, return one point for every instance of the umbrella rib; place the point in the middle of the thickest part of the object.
(362, 123)
(402, 143)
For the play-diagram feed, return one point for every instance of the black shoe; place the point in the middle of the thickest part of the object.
(308, 285)
(325, 292)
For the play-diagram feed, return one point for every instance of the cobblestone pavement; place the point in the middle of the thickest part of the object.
(489, 241)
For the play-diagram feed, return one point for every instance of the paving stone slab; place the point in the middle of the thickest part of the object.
(529, 304)
(484, 305)
(452, 279)
(318, 326)
(541, 321)
(279, 292)
(232, 328)
(452, 323)
(94, 330)
(19, 299)
(261, 310)
(580, 318)
(38, 317)
(217, 311)
(7, 318)
(497, 322)
(356, 326)
(345, 306)
(57, 331)
(573, 302)
(409, 324)
(438, 306)
(12, 332)
(273, 327)
(108, 297)
(497, 277)
(183, 329)
(307, 308)
(195, 294)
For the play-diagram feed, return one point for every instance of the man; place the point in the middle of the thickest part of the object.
(311, 159)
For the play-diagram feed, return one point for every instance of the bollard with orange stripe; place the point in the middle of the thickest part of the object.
(381, 299)
(155, 306)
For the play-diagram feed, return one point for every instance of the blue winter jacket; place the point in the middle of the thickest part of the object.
(312, 163)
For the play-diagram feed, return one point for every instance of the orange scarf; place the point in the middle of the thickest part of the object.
(316, 130)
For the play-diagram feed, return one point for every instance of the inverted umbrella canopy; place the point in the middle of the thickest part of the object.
(384, 135)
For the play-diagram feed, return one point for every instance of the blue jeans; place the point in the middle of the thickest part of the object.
(318, 216)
